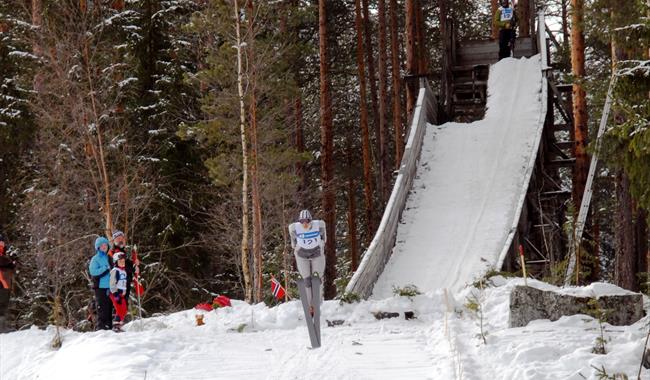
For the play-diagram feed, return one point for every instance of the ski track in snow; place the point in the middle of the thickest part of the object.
(456, 221)
(441, 343)
(468, 187)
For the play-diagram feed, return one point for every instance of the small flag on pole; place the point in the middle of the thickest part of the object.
(277, 289)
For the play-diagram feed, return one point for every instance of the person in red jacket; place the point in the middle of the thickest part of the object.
(7, 271)
(131, 266)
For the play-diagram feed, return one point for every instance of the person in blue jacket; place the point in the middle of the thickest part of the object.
(100, 270)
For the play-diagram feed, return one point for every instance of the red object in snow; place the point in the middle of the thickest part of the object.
(139, 289)
(204, 307)
(277, 289)
(221, 301)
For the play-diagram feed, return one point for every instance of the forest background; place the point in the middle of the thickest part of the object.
(200, 129)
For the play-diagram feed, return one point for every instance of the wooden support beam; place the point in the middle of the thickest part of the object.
(565, 144)
(559, 151)
(562, 127)
(552, 37)
(565, 111)
(558, 193)
(564, 162)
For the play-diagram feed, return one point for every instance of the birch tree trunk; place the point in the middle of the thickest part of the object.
(248, 286)
(327, 152)
(254, 168)
(365, 139)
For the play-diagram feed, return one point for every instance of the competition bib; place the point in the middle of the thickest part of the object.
(308, 239)
(506, 14)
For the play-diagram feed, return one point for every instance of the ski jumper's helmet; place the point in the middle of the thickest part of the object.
(304, 215)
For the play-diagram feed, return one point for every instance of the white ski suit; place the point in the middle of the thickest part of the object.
(309, 247)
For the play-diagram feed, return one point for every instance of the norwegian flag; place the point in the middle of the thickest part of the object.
(277, 289)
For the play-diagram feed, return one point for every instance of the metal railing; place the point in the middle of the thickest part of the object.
(381, 247)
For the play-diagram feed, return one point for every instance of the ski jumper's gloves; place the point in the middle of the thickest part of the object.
(118, 297)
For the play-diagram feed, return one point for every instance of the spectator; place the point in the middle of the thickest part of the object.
(131, 265)
(100, 270)
(506, 20)
(7, 271)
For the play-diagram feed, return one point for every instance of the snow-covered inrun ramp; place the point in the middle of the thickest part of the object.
(470, 187)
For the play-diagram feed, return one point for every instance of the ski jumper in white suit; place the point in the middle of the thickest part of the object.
(309, 247)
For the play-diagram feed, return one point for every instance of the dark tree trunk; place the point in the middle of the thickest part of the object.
(327, 152)
(494, 5)
(580, 127)
(352, 206)
(384, 165)
(641, 234)
(300, 144)
(626, 260)
(565, 23)
(523, 8)
(411, 56)
(397, 92)
(421, 44)
(372, 74)
(365, 136)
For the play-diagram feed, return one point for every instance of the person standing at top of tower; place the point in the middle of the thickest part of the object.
(506, 20)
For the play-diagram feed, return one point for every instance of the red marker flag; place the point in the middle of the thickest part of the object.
(277, 289)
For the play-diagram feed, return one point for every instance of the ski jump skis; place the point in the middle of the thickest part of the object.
(312, 312)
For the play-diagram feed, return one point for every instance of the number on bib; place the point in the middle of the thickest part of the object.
(506, 14)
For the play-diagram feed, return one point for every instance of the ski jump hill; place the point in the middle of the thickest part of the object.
(460, 189)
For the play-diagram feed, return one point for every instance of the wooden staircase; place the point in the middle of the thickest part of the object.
(470, 72)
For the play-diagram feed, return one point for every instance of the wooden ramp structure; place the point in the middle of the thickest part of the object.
(462, 98)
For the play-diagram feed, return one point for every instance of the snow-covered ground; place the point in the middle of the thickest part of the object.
(441, 343)
(470, 185)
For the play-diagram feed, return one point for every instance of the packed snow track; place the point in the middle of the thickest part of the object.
(470, 187)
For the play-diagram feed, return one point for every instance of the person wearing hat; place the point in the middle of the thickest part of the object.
(7, 271)
(131, 267)
(505, 19)
(100, 270)
(118, 286)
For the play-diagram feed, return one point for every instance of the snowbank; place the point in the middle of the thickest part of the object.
(441, 343)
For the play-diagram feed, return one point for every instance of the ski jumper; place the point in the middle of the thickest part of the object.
(505, 19)
(118, 283)
(309, 249)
